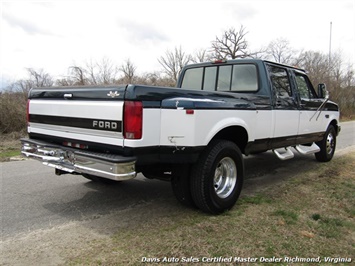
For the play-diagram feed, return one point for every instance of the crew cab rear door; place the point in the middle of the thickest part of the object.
(285, 107)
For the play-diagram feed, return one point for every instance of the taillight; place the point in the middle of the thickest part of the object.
(28, 112)
(132, 120)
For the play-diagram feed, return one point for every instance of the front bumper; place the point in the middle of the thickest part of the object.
(71, 160)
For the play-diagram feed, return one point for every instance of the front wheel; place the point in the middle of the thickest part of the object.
(327, 145)
(217, 177)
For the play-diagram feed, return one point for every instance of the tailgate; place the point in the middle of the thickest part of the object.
(85, 114)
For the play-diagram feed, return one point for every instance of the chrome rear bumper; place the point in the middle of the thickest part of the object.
(71, 160)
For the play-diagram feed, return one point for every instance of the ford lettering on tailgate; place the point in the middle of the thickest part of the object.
(108, 125)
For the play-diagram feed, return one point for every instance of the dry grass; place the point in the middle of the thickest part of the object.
(10, 145)
(310, 215)
(12, 112)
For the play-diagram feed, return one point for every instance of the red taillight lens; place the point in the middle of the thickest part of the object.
(132, 120)
(28, 112)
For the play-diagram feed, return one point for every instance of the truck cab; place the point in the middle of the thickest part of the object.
(295, 112)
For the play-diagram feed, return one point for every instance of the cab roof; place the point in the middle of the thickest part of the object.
(244, 60)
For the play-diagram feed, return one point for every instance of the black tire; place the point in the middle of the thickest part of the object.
(327, 145)
(217, 177)
(180, 184)
(99, 179)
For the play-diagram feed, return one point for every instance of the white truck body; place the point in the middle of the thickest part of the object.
(113, 132)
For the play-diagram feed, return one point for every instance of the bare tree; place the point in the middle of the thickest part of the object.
(36, 78)
(91, 72)
(173, 62)
(231, 45)
(349, 76)
(107, 72)
(279, 50)
(129, 70)
(103, 72)
(78, 75)
(13, 100)
(155, 79)
(340, 81)
(201, 56)
(40, 78)
(64, 82)
(316, 64)
(336, 69)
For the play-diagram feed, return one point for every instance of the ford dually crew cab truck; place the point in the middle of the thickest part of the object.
(194, 135)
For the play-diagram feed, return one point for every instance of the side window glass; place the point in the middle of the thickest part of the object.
(192, 79)
(245, 78)
(305, 89)
(280, 81)
(209, 82)
(224, 78)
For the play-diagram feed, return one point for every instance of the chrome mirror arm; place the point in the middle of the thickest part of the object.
(320, 108)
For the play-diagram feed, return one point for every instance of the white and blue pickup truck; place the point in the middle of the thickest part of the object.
(194, 135)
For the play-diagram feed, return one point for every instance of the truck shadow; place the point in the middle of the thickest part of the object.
(94, 199)
(107, 207)
(266, 170)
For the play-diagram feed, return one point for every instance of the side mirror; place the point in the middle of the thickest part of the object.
(322, 91)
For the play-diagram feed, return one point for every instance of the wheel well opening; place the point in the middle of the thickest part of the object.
(236, 134)
(334, 123)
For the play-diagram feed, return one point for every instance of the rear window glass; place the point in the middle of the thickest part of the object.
(193, 79)
(239, 78)
(209, 82)
(224, 78)
(244, 78)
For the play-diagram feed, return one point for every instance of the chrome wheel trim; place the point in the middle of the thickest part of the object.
(330, 143)
(225, 177)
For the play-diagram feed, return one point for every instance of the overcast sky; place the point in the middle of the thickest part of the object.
(54, 35)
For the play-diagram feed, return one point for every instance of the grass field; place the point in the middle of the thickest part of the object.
(308, 217)
(9, 146)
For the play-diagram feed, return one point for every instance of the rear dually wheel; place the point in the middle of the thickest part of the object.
(217, 177)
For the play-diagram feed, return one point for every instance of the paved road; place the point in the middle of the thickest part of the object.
(347, 135)
(32, 197)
